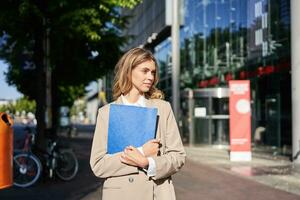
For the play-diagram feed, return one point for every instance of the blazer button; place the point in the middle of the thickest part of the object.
(130, 179)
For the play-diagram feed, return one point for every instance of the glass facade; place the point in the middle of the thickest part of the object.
(223, 40)
(163, 57)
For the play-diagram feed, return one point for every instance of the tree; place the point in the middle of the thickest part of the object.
(20, 105)
(85, 40)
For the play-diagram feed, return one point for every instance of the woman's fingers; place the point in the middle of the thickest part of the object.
(127, 160)
(132, 156)
(129, 153)
(122, 158)
(129, 147)
(154, 141)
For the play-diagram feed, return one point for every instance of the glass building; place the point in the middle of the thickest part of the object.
(224, 40)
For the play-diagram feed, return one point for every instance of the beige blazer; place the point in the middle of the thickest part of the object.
(127, 182)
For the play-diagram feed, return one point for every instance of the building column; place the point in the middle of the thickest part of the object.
(295, 44)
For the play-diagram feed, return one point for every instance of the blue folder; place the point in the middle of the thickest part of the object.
(130, 125)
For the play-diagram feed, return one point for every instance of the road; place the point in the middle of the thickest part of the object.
(194, 181)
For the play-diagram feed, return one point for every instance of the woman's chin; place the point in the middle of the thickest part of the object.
(145, 90)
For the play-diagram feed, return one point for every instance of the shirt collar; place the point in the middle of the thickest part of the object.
(140, 102)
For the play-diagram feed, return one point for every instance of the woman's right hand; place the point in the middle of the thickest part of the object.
(151, 148)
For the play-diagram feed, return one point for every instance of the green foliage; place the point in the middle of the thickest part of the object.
(77, 107)
(76, 28)
(70, 93)
(21, 104)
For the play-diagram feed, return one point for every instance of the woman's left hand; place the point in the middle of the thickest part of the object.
(132, 156)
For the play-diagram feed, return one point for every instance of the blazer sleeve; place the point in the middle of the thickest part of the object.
(102, 164)
(174, 156)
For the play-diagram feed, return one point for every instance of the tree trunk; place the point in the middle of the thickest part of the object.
(55, 107)
(40, 90)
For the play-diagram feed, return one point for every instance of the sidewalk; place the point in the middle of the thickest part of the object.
(208, 174)
(277, 172)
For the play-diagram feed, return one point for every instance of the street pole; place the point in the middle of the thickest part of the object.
(191, 105)
(175, 58)
(48, 113)
(295, 40)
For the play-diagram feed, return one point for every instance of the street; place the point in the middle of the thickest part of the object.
(194, 181)
(197, 181)
(45, 189)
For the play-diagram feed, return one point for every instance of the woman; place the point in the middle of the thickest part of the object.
(138, 172)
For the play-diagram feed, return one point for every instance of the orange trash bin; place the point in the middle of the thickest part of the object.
(6, 151)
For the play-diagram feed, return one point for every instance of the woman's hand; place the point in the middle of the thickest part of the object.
(151, 148)
(132, 156)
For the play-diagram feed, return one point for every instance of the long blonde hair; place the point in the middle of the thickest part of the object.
(123, 71)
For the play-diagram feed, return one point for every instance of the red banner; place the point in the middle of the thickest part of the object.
(240, 120)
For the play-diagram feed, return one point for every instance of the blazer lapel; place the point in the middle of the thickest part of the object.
(150, 104)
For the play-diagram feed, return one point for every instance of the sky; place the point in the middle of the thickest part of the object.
(6, 91)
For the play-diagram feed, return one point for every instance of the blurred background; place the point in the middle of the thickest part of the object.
(57, 60)
(59, 63)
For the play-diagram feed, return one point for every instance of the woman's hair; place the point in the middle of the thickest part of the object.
(123, 71)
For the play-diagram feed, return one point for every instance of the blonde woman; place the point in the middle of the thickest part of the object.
(138, 172)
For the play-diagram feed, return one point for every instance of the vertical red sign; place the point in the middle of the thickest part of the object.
(240, 120)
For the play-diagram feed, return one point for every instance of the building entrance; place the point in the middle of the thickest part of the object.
(206, 116)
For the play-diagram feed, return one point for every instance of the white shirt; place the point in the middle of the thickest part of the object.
(141, 103)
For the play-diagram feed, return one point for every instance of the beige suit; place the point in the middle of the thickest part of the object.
(127, 182)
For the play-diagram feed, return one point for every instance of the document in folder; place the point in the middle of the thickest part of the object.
(130, 125)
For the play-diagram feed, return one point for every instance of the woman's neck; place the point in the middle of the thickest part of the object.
(133, 96)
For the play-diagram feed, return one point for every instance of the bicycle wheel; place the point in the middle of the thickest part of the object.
(27, 169)
(67, 165)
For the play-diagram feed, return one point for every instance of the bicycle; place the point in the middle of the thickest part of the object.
(62, 161)
(28, 167)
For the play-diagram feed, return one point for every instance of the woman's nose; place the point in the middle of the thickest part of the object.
(150, 76)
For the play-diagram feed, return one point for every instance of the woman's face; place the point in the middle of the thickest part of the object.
(143, 76)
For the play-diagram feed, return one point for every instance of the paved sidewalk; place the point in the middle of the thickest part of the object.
(208, 174)
(277, 172)
(200, 181)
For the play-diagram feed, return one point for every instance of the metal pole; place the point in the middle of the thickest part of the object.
(175, 58)
(210, 120)
(295, 34)
(204, 40)
(48, 114)
(191, 106)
